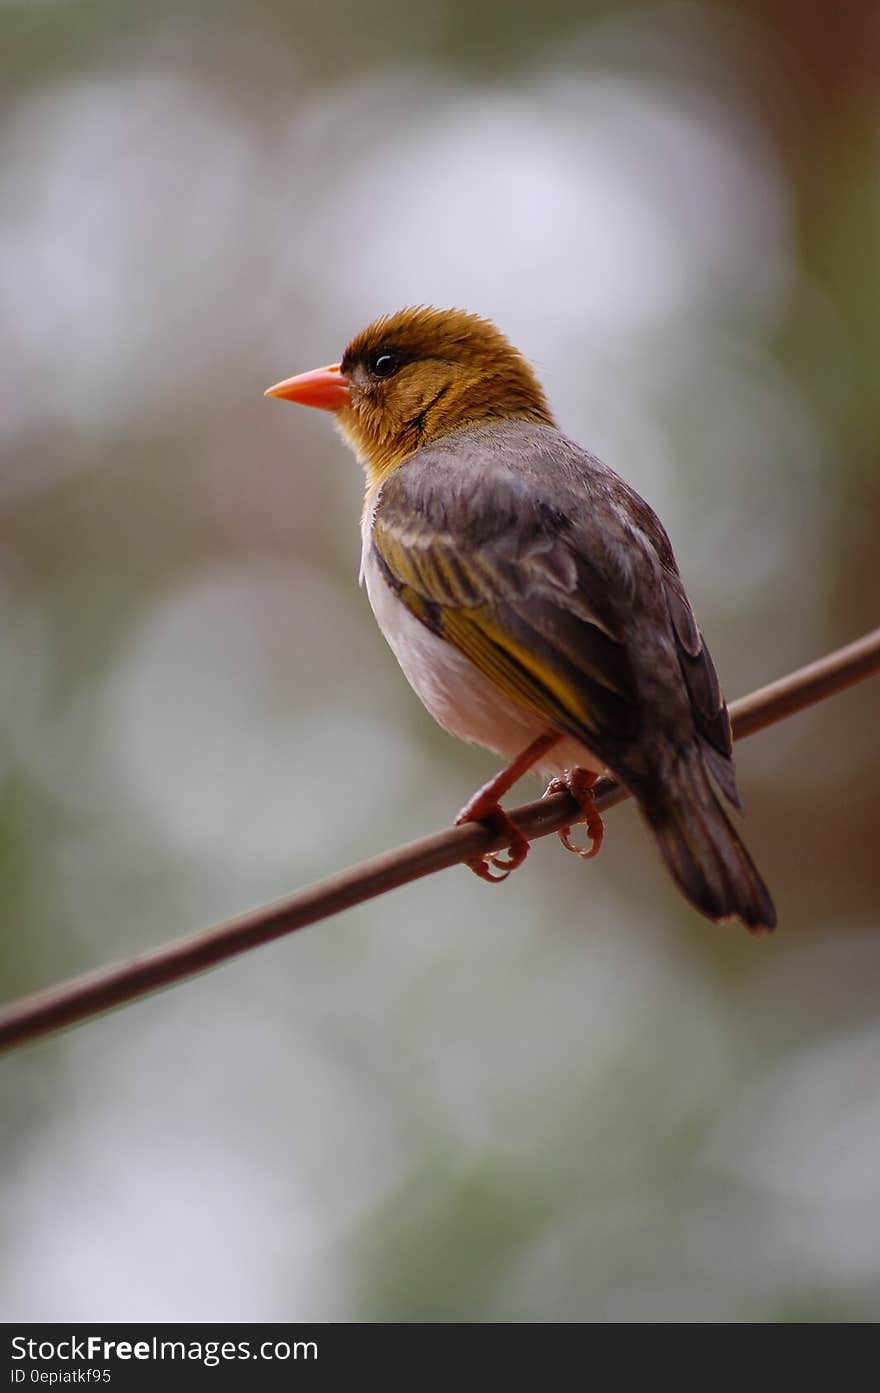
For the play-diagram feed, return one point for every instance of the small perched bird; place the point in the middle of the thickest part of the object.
(532, 597)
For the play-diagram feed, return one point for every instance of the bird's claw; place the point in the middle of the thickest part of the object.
(517, 850)
(482, 866)
(579, 783)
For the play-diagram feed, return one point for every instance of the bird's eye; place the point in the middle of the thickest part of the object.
(384, 363)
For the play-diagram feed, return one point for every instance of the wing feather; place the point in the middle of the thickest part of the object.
(559, 584)
(516, 603)
(707, 700)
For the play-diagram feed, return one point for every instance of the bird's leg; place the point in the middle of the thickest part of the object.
(485, 806)
(579, 783)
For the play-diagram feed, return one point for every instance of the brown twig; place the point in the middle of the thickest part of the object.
(82, 997)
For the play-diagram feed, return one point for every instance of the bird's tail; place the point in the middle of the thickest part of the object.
(704, 852)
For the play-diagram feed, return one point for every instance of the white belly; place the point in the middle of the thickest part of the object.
(457, 695)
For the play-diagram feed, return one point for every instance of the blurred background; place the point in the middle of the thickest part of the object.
(567, 1098)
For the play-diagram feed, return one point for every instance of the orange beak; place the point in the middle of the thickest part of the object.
(322, 387)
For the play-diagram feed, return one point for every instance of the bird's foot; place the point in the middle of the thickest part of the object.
(579, 783)
(485, 806)
(491, 866)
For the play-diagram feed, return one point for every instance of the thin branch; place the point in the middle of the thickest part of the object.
(81, 997)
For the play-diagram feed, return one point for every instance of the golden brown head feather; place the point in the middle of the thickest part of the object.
(422, 373)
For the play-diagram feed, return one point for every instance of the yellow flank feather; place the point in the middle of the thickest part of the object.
(446, 593)
(516, 670)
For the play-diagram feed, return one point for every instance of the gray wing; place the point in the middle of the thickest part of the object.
(558, 580)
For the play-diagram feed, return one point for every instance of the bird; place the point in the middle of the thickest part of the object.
(532, 597)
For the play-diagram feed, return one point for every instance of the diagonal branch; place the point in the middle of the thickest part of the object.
(82, 997)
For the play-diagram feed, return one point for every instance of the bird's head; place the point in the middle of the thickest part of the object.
(417, 375)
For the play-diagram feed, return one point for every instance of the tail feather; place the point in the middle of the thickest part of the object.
(704, 852)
